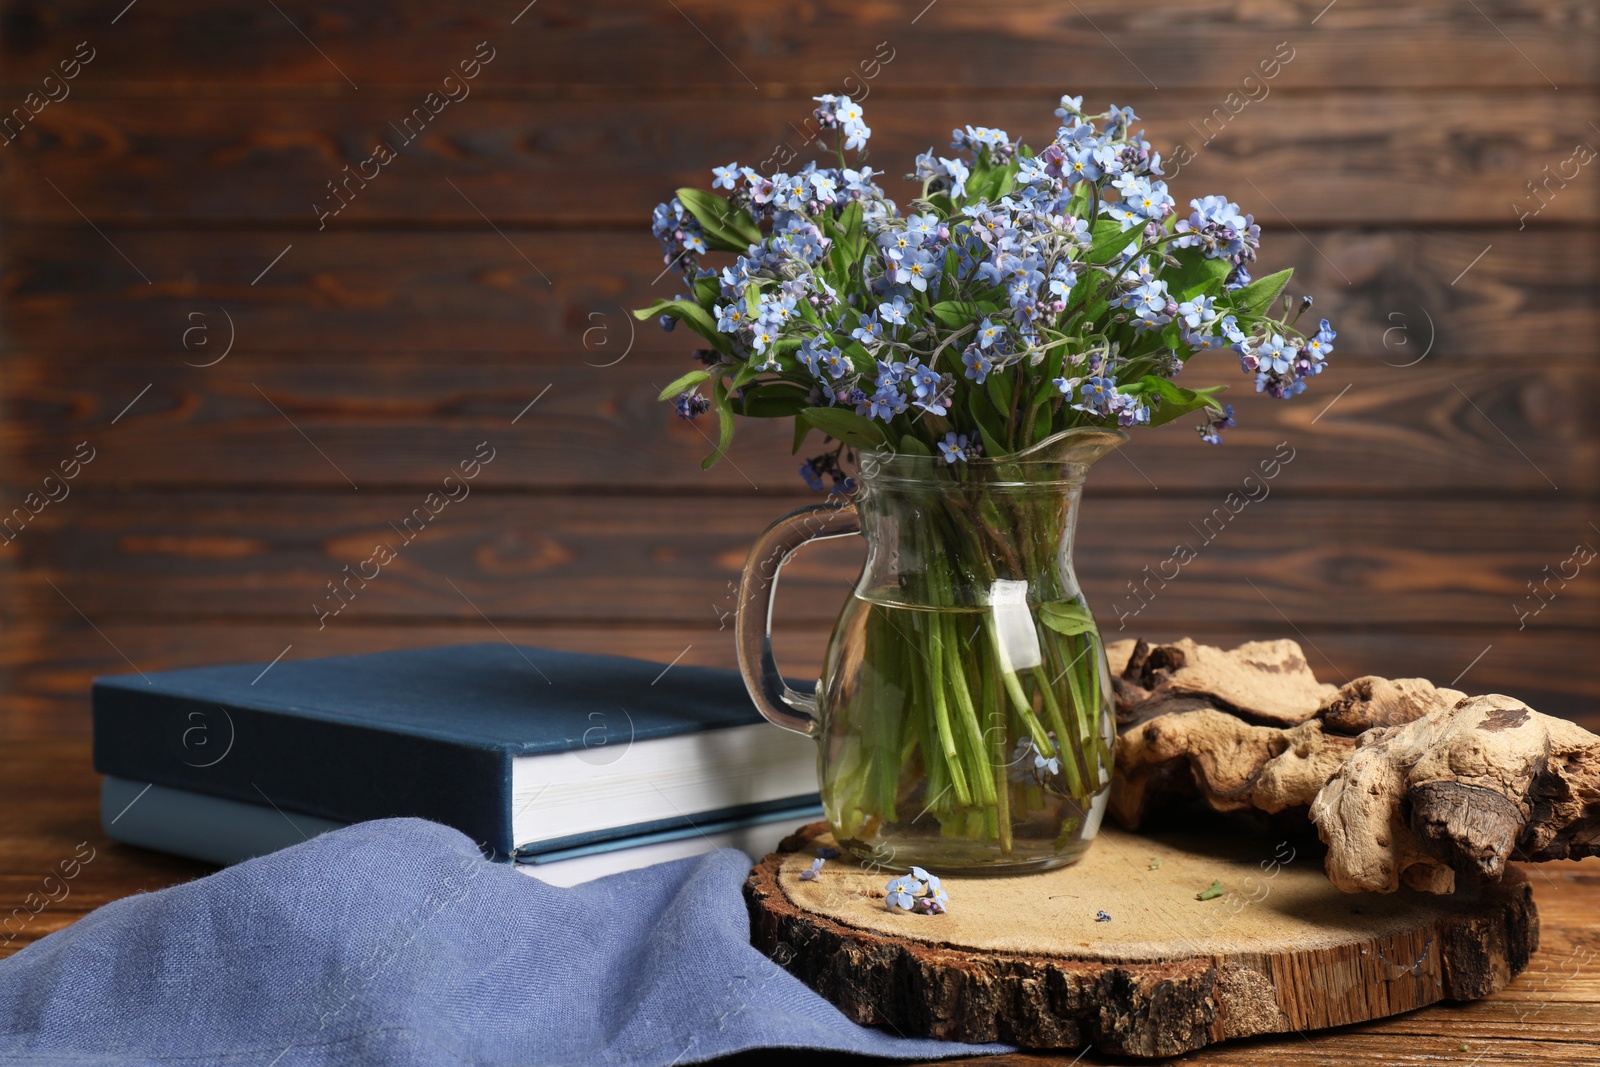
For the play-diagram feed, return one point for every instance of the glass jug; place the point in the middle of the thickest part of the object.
(964, 713)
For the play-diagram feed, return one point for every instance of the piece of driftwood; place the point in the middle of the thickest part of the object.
(1023, 959)
(1404, 781)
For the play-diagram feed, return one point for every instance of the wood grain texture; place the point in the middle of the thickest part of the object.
(1385, 159)
(724, 45)
(1544, 1016)
(533, 293)
(1316, 158)
(1436, 426)
(47, 665)
(669, 559)
(1025, 959)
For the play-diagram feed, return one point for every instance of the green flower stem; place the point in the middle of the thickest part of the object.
(955, 672)
(1066, 737)
(999, 752)
(941, 716)
(887, 714)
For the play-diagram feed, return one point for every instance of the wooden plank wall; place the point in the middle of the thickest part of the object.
(267, 393)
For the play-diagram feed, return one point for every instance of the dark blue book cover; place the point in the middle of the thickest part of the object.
(429, 733)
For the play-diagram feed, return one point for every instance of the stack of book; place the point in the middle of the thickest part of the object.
(571, 765)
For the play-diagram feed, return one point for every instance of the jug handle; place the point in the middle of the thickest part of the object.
(780, 704)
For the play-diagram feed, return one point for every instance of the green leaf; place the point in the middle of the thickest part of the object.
(1172, 400)
(987, 421)
(774, 400)
(691, 315)
(850, 222)
(707, 291)
(1067, 617)
(727, 228)
(745, 375)
(859, 358)
(1211, 892)
(953, 314)
(802, 430)
(1196, 275)
(914, 446)
(1109, 240)
(724, 409)
(684, 384)
(1257, 297)
(844, 425)
(998, 384)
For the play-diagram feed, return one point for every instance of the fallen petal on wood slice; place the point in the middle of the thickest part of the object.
(1404, 781)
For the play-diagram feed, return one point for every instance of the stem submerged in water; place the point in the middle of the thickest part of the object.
(953, 737)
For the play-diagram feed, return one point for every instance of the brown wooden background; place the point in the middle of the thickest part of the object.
(492, 262)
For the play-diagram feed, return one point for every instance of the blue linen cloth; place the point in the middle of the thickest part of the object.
(395, 942)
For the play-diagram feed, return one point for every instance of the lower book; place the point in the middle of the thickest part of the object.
(224, 831)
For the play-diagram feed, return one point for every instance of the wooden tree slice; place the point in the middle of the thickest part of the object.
(1024, 960)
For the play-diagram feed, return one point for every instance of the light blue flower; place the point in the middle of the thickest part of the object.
(1320, 346)
(891, 373)
(869, 330)
(990, 333)
(810, 355)
(1129, 410)
(792, 191)
(1146, 199)
(954, 447)
(859, 182)
(924, 227)
(896, 312)
(1052, 765)
(836, 363)
(763, 337)
(902, 893)
(1198, 312)
(895, 241)
(1108, 160)
(932, 889)
(885, 404)
(914, 267)
(1095, 394)
(1151, 305)
(925, 381)
(978, 365)
(1081, 164)
(1063, 276)
(816, 869)
(1020, 292)
(958, 174)
(1275, 355)
(1119, 118)
(775, 309)
(726, 177)
(823, 188)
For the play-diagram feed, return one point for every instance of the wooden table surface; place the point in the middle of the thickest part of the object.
(1549, 1015)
